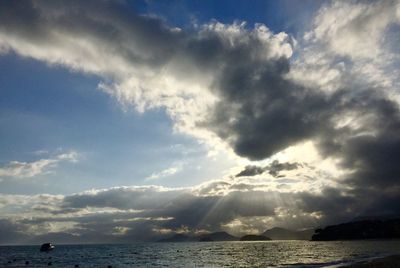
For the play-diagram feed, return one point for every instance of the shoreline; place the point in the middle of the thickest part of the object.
(392, 261)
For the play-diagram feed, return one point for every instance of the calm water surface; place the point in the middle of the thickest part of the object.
(195, 254)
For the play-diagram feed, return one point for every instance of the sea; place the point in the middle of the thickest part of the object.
(201, 254)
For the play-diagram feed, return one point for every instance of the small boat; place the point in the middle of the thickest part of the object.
(46, 247)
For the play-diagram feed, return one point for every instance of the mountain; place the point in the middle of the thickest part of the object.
(177, 238)
(376, 217)
(205, 239)
(218, 236)
(278, 233)
(274, 234)
(254, 238)
(368, 229)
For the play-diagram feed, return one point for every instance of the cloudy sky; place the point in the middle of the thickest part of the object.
(130, 121)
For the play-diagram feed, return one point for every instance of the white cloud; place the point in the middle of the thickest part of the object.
(16, 169)
(355, 29)
(164, 173)
(70, 156)
(349, 45)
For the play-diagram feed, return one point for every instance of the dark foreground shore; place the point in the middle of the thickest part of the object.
(386, 262)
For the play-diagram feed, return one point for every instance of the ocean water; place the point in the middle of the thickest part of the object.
(201, 254)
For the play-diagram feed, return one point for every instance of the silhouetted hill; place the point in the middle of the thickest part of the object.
(177, 238)
(218, 236)
(254, 238)
(278, 233)
(376, 217)
(205, 239)
(369, 229)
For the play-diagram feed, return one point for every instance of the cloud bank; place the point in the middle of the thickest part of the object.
(148, 213)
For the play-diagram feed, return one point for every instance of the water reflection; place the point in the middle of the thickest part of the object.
(207, 254)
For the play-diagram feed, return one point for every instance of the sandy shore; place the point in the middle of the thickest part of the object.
(386, 262)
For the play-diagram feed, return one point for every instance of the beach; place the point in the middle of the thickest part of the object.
(385, 262)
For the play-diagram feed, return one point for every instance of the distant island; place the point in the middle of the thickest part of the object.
(355, 230)
(217, 236)
(254, 238)
(366, 229)
(178, 238)
(276, 233)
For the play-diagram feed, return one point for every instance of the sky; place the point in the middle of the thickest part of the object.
(127, 121)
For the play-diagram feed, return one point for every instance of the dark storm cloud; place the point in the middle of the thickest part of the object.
(260, 112)
(373, 149)
(185, 209)
(12, 232)
(251, 171)
(330, 202)
(212, 211)
(273, 169)
(138, 39)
